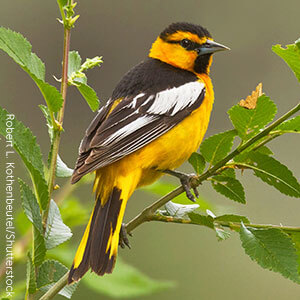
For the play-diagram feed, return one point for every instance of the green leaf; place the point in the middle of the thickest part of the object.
(89, 95)
(273, 173)
(62, 3)
(229, 172)
(74, 62)
(19, 49)
(178, 210)
(222, 234)
(51, 95)
(292, 125)
(49, 273)
(125, 282)
(25, 144)
(233, 218)
(291, 55)
(207, 221)
(295, 236)
(30, 206)
(62, 170)
(272, 249)
(217, 146)
(162, 188)
(91, 63)
(46, 114)
(56, 231)
(249, 122)
(264, 150)
(30, 276)
(198, 162)
(229, 187)
(39, 248)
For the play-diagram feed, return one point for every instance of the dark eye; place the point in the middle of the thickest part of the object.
(185, 43)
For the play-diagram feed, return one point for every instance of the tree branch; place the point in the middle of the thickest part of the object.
(148, 214)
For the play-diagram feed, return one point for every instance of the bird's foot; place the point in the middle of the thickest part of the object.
(123, 240)
(186, 182)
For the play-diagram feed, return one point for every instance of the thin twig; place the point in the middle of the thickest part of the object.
(60, 284)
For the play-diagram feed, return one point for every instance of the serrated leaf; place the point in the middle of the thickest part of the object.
(25, 144)
(198, 162)
(62, 170)
(30, 276)
(56, 231)
(39, 248)
(233, 218)
(89, 95)
(207, 221)
(249, 122)
(49, 273)
(291, 55)
(19, 49)
(162, 188)
(30, 206)
(217, 146)
(273, 173)
(292, 125)
(125, 282)
(272, 249)
(229, 187)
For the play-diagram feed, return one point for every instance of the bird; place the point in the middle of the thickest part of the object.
(155, 119)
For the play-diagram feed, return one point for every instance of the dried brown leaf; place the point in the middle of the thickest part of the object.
(250, 102)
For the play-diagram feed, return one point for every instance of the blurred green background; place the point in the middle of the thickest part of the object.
(122, 32)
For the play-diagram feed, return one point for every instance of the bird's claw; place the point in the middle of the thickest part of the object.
(186, 182)
(123, 240)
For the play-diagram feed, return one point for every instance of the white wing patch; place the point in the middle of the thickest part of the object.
(169, 102)
(129, 128)
(176, 99)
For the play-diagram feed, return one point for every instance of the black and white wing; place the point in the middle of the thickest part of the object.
(133, 123)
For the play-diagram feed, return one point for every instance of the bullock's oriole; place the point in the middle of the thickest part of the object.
(155, 119)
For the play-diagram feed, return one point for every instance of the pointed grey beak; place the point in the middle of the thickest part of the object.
(211, 47)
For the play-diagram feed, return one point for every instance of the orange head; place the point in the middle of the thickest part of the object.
(186, 46)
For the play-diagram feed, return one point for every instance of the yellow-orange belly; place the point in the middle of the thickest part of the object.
(166, 152)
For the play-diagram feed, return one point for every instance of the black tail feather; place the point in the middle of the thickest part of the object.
(103, 222)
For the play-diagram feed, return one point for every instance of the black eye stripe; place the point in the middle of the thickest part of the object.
(190, 47)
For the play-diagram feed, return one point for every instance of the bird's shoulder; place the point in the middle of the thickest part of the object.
(150, 77)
